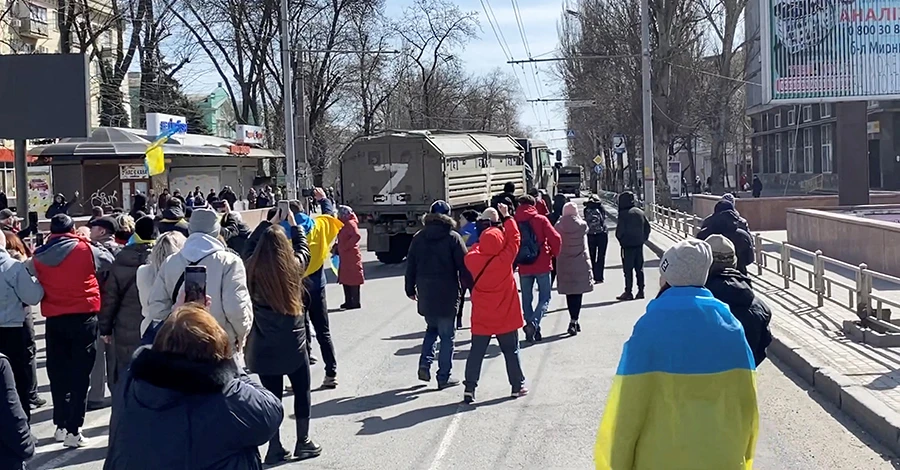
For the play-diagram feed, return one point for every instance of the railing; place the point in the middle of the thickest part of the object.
(821, 275)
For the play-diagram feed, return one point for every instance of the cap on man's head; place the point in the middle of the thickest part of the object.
(61, 223)
(722, 251)
(686, 263)
(490, 214)
(206, 221)
(107, 222)
(7, 214)
(440, 207)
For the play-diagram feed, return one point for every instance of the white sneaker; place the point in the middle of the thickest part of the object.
(75, 441)
(59, 435)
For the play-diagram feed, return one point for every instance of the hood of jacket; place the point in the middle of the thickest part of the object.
(134, 256)
(200, 245)
(726, 221)
(437, 226)
(558, 202)
(491, 241)
(626, 201)
(163, 379)
(732, 287)
(570, 226)
(57, 248)
(525, 213)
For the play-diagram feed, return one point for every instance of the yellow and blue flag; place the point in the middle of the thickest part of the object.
(320, 238)
(684, 395)
(154, 159)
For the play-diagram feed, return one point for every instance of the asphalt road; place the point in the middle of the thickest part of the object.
(381, 417)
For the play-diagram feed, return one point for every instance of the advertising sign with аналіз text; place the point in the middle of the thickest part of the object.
(830, 50)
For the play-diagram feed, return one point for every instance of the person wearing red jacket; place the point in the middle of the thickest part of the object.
(350, 270)
(540, 204)
(67, 267)
(548, 245)
(495, 301)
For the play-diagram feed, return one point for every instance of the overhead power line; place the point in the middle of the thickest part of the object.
(577, 57)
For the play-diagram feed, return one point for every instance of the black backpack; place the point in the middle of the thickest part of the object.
(529, 250)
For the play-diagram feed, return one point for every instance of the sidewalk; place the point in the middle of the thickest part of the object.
(862, 380)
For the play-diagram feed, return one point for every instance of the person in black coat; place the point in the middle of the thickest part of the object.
(632, 231)
(756, 186)
(16, 442)
(276, 345)
(235, 231)
(59, 206)
(435, 273)
(229, 195)
(139, 206)
(173, 218)
(507, 197)
(185, 403)
(735, 289)
(726, 221)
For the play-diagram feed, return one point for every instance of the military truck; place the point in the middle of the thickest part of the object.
(391, 179)
(570, 180)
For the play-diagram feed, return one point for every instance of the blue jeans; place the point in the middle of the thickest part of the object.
(533, 316)
(445, 329)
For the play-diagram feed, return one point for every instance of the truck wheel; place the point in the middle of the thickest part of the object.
(398, 250)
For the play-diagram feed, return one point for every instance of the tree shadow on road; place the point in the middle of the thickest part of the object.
(352, 405)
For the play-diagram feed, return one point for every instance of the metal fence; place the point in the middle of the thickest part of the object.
(821, 275)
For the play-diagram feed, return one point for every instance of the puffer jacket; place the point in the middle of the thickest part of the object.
(735, 289)
(632, 227)
(435, 267)
(17, 290)
(121, 312)
(174, 413)
(547, 238)
(573, 265)
(16, 441)
(350, 271)
(226, 284)
(496, 308)
(725, 206)
(728, 224)
(69, 269)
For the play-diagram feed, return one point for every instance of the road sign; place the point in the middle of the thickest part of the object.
(598, 169)
(570, 134)
(598, 160)
(619, 143)
(581, 103)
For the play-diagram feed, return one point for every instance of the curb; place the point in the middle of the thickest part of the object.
(872, 415)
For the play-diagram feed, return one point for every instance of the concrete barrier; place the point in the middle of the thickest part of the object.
(251, 217)
(770, 213)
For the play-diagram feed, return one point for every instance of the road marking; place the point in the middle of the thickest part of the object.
(72, 453)
(447, 440)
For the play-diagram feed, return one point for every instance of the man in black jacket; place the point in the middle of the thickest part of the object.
(508, 197)
(435, 272)
(632, 231)
(173, 217)
(726, 221)
(16, 442)
(735, 289)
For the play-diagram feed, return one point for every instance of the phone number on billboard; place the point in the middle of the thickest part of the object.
(863, 30)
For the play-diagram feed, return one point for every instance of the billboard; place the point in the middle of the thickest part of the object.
(830, 50)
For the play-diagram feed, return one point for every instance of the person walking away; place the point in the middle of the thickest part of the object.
(726, 221)
(60, 206)
(574, 277)
(684, 394)
(559, 201)
(539, 203)
(16, 441)
(508, 197)
(728, 202)
(734, 288)
(496, 311)
(435, 274)
(350, 270)
(597, 236)
(103, 232)
(186, 404)
(69, 269)
(469, 233)
(539, 245)
(276, 346)
(757, 186)
(173, 218)
(121, 309)
(166, 245)
(632, 231)
(17, 291)
(18, 250)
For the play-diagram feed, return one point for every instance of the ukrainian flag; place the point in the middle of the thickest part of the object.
(320, 239)
(684, 395)
(154, 159)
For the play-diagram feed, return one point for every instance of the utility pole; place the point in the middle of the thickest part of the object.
(649, 174)
(290, 177)
(302, 145)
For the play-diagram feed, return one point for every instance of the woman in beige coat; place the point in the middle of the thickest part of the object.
(573, 265)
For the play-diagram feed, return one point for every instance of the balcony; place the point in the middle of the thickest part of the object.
(30, 28)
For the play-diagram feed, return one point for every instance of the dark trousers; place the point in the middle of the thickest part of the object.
(509, 345)
(301, 384)
(462, 304)
(317, 314)
(32, 355)
(633, 265)
(597, 244)
(573, 303)
(71, 349)
(351, 297)
(14, 344)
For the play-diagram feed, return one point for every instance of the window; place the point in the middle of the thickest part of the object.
(808, 150)
(792, 118)
(778, 119)
(825, 110)
(37, 13)
(827, 156)
(807, 113)
(779, 157)
(765, 122)
(792, 152)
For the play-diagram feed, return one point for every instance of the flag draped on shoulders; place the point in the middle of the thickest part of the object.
(324, 231)
(684, 394)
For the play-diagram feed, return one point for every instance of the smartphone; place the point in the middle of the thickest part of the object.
(33, 219)
(285, 208)
(39, 239)
(195, 284)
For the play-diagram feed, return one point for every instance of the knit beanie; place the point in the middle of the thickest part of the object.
(722, 252)
(490, 214)
(145, 228)
(440, 207)
(728, 197)
(686, 263)
(61, 223)
(206, 221)
(570, 209)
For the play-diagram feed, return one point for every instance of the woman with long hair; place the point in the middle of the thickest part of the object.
(276, 345)
(185, 403)
(166, 245)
